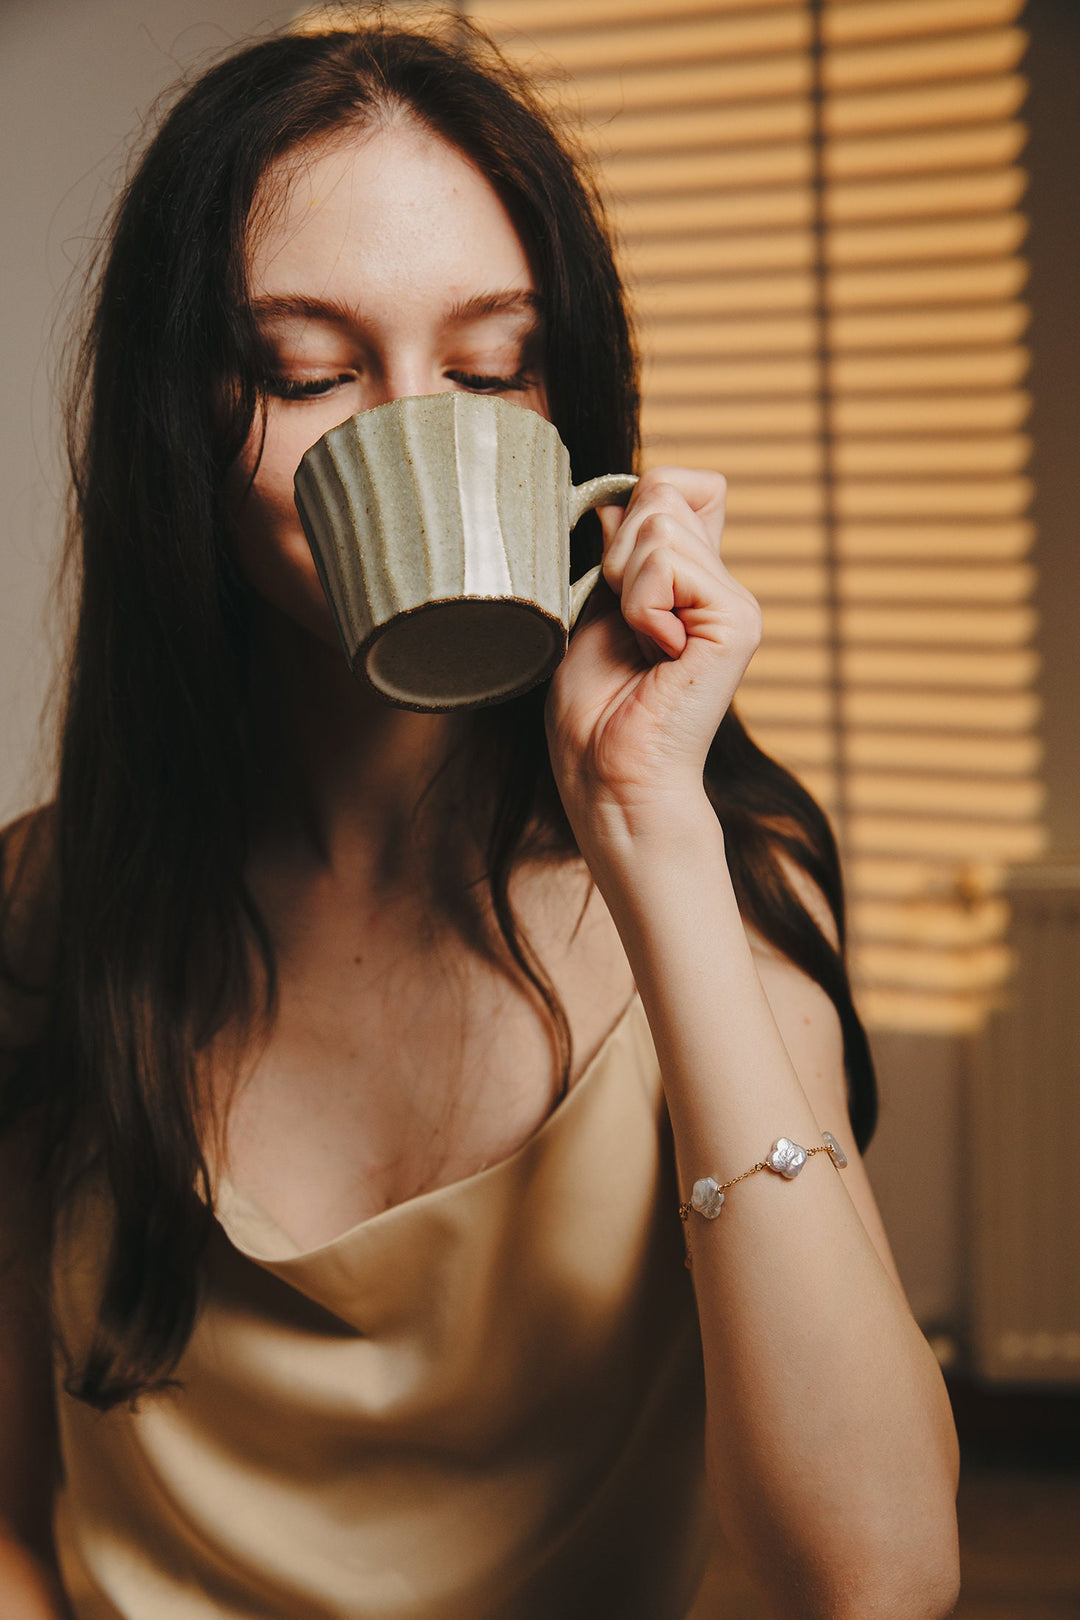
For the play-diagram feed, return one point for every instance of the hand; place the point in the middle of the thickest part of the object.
(655, 660)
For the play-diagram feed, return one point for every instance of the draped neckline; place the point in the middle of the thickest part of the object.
(255, 1233)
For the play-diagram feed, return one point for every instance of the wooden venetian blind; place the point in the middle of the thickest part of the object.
(820, 213)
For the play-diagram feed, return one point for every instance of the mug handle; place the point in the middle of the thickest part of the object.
(610, 489)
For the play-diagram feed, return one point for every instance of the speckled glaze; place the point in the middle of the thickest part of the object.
(440, 528)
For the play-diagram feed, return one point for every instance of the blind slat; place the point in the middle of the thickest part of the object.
(714, 211)
(983, 51)
(996, 712)
(987, 414)
(898, 19)
(965, 368)
(724, 210)
(931, 457)
(1002, 670)
(772, 419)
(976, 624)
(1000, 96)
(975, 756)
(934, 497)
(706, 342)
(998, 143)
(988, 584)
(932, 921)
(961, 192)
(993, 281)
(665, 38)
(636, 176)
(901, 877)
(536, 15)
(989, 237)
(746, 294)
(957, 840)
(1013, 583)
(999, 322)
(968, 969)
(749, 80)
(974, 541)
(704, 126)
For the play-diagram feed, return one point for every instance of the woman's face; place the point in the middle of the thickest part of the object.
(381, 265)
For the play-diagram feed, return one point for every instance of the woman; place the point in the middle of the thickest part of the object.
(350, 1052)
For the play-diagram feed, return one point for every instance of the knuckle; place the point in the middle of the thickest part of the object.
(658, 491)
(658, 528)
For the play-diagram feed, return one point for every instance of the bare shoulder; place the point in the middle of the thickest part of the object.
(805, 1015)
(28, 866)
(27, 922)
(27, 931)
(27, 911)
(27, 1437)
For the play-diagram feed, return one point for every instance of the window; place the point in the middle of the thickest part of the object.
(820, 211)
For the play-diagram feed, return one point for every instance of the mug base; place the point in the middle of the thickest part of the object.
(461, 653)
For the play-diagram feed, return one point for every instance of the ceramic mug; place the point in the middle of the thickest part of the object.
(440, 527)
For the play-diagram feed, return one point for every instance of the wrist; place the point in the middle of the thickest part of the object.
(653, 842)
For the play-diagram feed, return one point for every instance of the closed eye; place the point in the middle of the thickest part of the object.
(300, 388)
(478, 384)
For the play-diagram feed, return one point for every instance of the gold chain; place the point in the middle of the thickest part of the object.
(722, 1187)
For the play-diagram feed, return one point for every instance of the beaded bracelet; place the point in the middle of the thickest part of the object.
(785, 1158)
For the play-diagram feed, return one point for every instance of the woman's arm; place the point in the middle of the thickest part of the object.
(831, 1447)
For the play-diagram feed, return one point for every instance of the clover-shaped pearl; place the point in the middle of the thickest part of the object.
(707, 1198)
(786, 1158)
(836, 1152)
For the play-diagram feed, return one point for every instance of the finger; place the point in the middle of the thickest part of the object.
(704, 491)
(651, 529)
(695, 493)
(660, 499)
(611, 519)
(672, 597)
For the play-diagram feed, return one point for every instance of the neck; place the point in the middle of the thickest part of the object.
(340, 777)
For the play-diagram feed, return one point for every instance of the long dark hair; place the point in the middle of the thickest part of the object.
(146, 845)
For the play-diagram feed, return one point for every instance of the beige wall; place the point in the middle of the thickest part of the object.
(76, 80)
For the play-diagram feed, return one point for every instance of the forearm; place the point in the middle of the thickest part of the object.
(831, 1445)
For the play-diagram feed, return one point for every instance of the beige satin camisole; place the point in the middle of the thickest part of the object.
(483, 1404)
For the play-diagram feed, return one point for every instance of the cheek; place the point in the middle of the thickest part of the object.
(271, 547)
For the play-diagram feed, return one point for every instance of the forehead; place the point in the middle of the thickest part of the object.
(388, 205)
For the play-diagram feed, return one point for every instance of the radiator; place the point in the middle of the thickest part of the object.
(1023, 1183)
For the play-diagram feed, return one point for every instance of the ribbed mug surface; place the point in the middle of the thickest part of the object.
(440, 529)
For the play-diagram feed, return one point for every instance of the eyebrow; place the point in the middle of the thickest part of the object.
(495, 303)
(301, 306)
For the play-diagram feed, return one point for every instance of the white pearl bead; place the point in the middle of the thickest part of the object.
(707, 1198)
(836, 1152)
(786, 1158)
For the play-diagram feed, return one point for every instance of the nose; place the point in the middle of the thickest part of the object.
(402, 375)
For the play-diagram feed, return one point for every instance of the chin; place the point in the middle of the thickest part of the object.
(296, 606)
